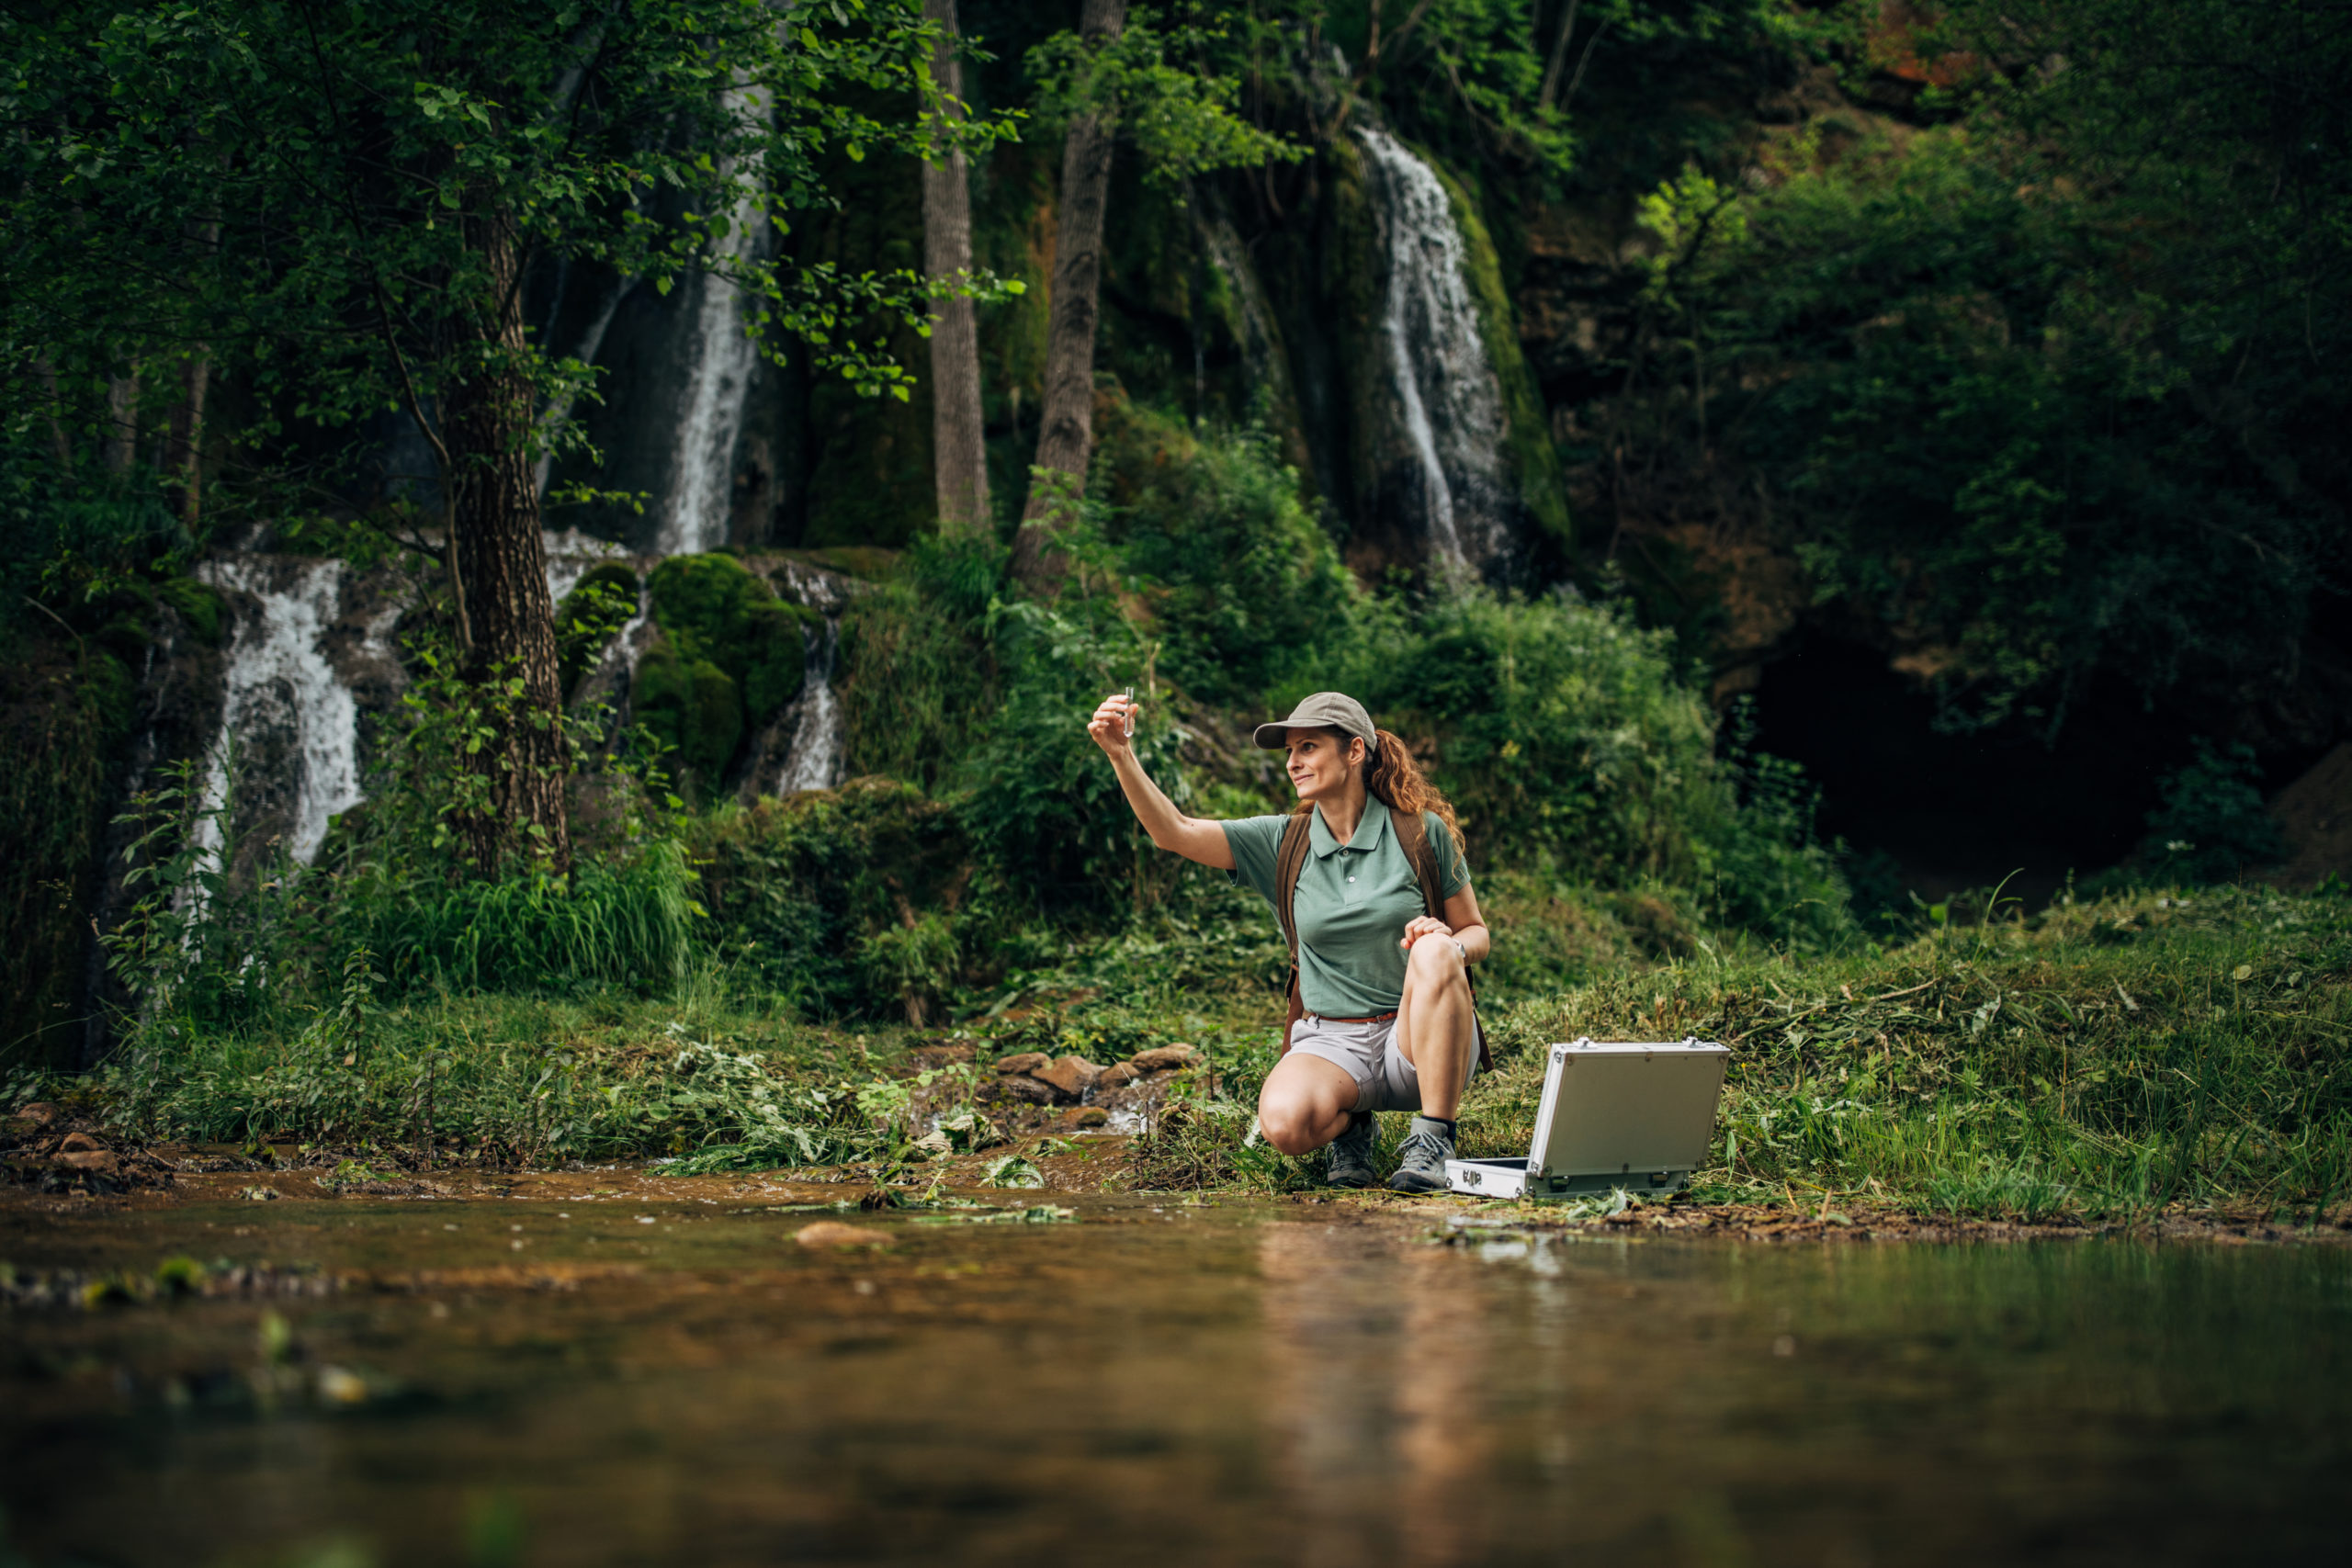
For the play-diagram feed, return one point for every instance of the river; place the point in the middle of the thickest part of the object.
(610, 1379)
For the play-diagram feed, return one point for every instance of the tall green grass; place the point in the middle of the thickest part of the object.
(626, 923)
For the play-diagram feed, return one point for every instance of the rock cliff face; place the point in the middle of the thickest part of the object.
(1372, 327)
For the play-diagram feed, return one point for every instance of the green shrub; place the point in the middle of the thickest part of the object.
(1243, 583)
(2212, 825)
(66, 711)
(1570, 746)
(1054, 834)
(838, 901)
(591, 615)
(917, 675)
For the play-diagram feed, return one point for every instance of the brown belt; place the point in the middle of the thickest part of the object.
(1326, 1018)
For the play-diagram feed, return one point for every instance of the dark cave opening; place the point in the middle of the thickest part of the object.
(1956, 811)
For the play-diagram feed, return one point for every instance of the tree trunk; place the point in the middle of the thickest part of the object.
(121, 444)
(1550, 93)
(61, 444)
(186, 457)
(959, 453)
(508, 618)
(1066, 436)
(184, 453)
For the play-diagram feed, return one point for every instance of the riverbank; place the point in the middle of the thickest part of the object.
(2116, 1062)
(1088, 1178)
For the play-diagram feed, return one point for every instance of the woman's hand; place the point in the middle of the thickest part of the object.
(1421, 926)
(1109, 725)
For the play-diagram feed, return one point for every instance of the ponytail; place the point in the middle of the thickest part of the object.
(1393, 778)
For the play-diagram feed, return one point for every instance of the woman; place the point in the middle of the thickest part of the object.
(1383, 986)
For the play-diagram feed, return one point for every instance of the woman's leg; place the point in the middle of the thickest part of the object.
(1435, 1026)
(1305, 1103)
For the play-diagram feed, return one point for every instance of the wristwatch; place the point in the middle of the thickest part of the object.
(1462, 952)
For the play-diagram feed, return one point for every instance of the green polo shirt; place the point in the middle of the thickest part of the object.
(1353, 902)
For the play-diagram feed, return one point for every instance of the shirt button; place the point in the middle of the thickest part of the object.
(1350, 879)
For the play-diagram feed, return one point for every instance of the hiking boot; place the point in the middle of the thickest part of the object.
(1420, 1165)
(1351, 1152)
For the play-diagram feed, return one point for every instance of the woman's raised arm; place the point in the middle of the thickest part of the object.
(1195, 838)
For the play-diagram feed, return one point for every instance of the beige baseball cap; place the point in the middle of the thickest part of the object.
(1324, 710)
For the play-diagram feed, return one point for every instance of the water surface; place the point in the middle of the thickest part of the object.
(1161, 1384)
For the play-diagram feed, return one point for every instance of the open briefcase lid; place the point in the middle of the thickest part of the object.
(1636, 1111)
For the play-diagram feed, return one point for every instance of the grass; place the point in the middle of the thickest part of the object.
(2107, 1059)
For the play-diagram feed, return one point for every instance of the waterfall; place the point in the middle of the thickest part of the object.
(283, 701)
(814, 760)
(702, 484)
(1450, 399)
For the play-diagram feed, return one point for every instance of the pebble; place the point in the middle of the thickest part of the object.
(832, 1233)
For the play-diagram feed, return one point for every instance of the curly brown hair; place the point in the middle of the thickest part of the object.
(1394, 779)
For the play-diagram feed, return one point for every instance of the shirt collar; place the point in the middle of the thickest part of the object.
(1369, 827)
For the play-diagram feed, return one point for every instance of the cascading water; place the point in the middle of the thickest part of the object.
(702, 481)
(1450, 399)
(283, 697)
(814, 760)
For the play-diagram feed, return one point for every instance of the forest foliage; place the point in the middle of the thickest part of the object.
(2039, 378)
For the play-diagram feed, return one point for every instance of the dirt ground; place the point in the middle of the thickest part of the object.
(1088, 1169)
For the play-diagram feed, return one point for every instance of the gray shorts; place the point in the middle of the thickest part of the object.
(1368, 1053)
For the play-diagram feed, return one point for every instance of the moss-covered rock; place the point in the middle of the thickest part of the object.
(717, 610)
(690, 706)
(730, 654)
(199, 606)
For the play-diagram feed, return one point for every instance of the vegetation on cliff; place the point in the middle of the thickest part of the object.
(2008, 345)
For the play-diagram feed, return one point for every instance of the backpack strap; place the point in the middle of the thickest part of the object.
(1290, 859)
(1413, 838)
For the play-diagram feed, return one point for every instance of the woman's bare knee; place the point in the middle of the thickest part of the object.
(1434, 961)
(1291, 1134)
(1291, 1124)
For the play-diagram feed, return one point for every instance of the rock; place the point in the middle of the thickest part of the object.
(34, 1117)
(1162, 1057)
(1027, 1090)
(1086, 1116)
(1118, 1075)
(79, 1143)
(1071, 1075)
(92, 1159)
(832, 1233)
(1027, 1062)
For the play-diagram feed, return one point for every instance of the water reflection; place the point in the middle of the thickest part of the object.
(1168, 1385)
(1376, 1359)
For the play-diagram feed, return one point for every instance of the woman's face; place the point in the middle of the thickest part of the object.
(1321, 761)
